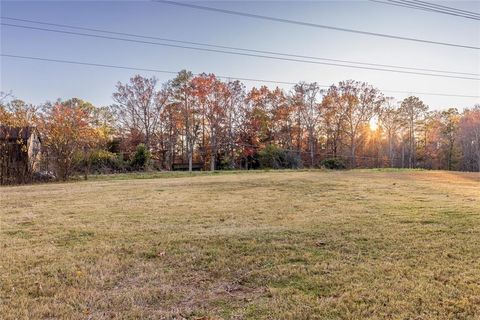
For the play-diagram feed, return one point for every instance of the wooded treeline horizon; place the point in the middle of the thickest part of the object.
(200, 120)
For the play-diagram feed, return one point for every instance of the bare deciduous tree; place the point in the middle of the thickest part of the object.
(139, 105)
(390, 121)
(307, 98)
(470, 138)
(413, 111)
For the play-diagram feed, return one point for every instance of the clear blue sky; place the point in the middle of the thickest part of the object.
(37, 82)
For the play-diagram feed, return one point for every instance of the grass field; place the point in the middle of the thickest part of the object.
(366, 244)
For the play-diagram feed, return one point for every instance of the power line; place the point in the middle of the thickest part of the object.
(220, 76)
(235, 48)
(440, 8)
(136, 68)
(308, 24)
(414, 5)
(420, 5)
(449, 8)
(237, 53)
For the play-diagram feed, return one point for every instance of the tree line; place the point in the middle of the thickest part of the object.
(202, 121)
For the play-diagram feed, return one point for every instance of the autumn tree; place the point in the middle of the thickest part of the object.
(412, 111)
(449, 120)
(212, 96)
(4, 96)
(234, 118)
(356, 102)
(67, 131)
(4, 113)
(17, 113)
(307, 99)
(469, 138)
(334, 104)
(169, 133)
(428, 143)
(279, 110)
(102, 122)
(138, 106)
(390, 121)
(181, 94)
(260, 115)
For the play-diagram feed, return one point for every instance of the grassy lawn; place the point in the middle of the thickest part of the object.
(366, 244)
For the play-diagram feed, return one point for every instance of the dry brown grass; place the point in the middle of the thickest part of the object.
(272, 245)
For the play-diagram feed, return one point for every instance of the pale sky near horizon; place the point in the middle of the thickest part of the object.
(37, 81)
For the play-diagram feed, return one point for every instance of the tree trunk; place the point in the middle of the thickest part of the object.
(412, 146)
(390, 150)
(335, 147)
(213, 150)
(312, 154)
(190, 160)
(352, 152)
(478, 161)
(212, 162)
(147, 140)
(189, 147)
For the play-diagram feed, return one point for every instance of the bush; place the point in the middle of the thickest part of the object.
(277, 158)
(103, 161)
(141, 158)
(225, 163)
(334, 164)
(251, 161)
(100, 161)
(114, 145)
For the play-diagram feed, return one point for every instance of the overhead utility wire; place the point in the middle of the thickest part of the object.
(439, 7)
(237, 53)
(140, 69)
(308, 24)
(412, 5)
(235, 48)
(219, 76)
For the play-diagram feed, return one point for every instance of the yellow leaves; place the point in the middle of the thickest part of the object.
(71, 126)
